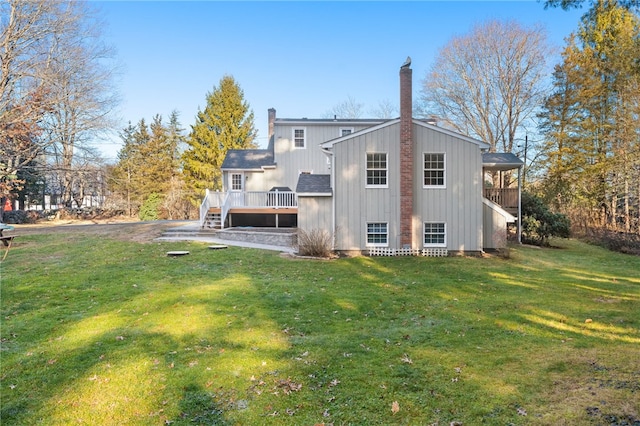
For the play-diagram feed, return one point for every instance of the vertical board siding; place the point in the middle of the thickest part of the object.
(315, 213)
(459, 204)
(494, 229)
(291, 161)
(355, 204)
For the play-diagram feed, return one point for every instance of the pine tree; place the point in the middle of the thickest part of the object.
(148, 162)
(225, 123)
(591, 121)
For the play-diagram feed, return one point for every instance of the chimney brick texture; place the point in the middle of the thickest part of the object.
(406, 158)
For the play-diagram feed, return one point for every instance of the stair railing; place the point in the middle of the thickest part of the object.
(204, 209)
(224, 209)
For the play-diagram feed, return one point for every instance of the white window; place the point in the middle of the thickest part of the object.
(377, 169)
(435, 234)
(300, 137)
(344, 131)
(434, 170)
(377, 234)
(237, 180)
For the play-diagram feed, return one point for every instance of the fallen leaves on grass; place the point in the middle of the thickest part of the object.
(289, 386)
(395, 407)
(405, 358)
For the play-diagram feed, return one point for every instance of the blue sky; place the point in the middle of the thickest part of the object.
(301, 58)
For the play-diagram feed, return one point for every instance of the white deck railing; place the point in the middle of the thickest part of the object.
(226, 201)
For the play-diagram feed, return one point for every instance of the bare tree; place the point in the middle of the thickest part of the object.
(55, 88)
(385, 110)
(349, 108)
(488, 83)
(25, 28)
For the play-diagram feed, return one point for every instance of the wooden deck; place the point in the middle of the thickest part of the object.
(507, 198)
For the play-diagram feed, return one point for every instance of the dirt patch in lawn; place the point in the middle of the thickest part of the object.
(142, 232)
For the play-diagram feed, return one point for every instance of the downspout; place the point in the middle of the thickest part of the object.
(333, 198)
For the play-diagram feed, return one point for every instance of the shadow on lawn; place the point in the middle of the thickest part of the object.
(198, 406)
(359, 332)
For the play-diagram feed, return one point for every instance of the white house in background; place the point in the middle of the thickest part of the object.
(382, 187)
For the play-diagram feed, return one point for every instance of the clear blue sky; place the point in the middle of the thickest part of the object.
(301, 58)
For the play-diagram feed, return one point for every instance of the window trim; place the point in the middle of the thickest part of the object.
(386, 169)
(304, 137)
(351, 130)
(231, 175)
(424, 234)
(386, 234)
(444, 171)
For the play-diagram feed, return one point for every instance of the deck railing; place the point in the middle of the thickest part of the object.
(250, 200)
(506, 198)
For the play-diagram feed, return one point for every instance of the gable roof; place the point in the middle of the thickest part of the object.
(314, 185)
(328, 144)
(248, 159)
(500, 161)
(423, 123)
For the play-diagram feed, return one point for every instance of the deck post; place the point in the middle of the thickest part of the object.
(519, 205)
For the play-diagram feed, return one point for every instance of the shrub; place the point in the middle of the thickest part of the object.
(539, 223)
(622, 242)
(316, 242)
(150, 209)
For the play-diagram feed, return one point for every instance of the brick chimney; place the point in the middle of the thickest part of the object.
(406, 156)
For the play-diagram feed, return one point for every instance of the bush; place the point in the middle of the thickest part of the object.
(622, 242)
(539, 223)
(150, 209)
(316, 242)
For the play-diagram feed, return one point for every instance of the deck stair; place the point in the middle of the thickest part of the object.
(213, 220)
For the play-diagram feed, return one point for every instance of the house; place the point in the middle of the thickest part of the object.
(382, 187)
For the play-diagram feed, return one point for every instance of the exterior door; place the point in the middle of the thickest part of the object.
(237, 189)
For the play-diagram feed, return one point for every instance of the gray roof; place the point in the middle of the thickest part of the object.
(248, 159)
(314, 184)
(337, 121)
(500, 161)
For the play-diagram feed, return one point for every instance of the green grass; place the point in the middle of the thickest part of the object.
(103, 332)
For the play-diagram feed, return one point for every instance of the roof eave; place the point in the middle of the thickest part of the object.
(315, 194)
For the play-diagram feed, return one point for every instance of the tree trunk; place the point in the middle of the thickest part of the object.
(627, 217)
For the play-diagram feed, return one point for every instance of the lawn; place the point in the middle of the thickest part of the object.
(98, 331)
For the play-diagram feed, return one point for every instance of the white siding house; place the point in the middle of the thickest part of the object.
(379, 186)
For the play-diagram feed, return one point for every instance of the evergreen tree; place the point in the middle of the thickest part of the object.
(120, 180)
(225, 123)
(148, 162)
(591, 121)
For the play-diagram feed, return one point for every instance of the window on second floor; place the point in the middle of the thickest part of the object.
(344, 131)
(300, 137)
(434, 170)
(377, 169)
